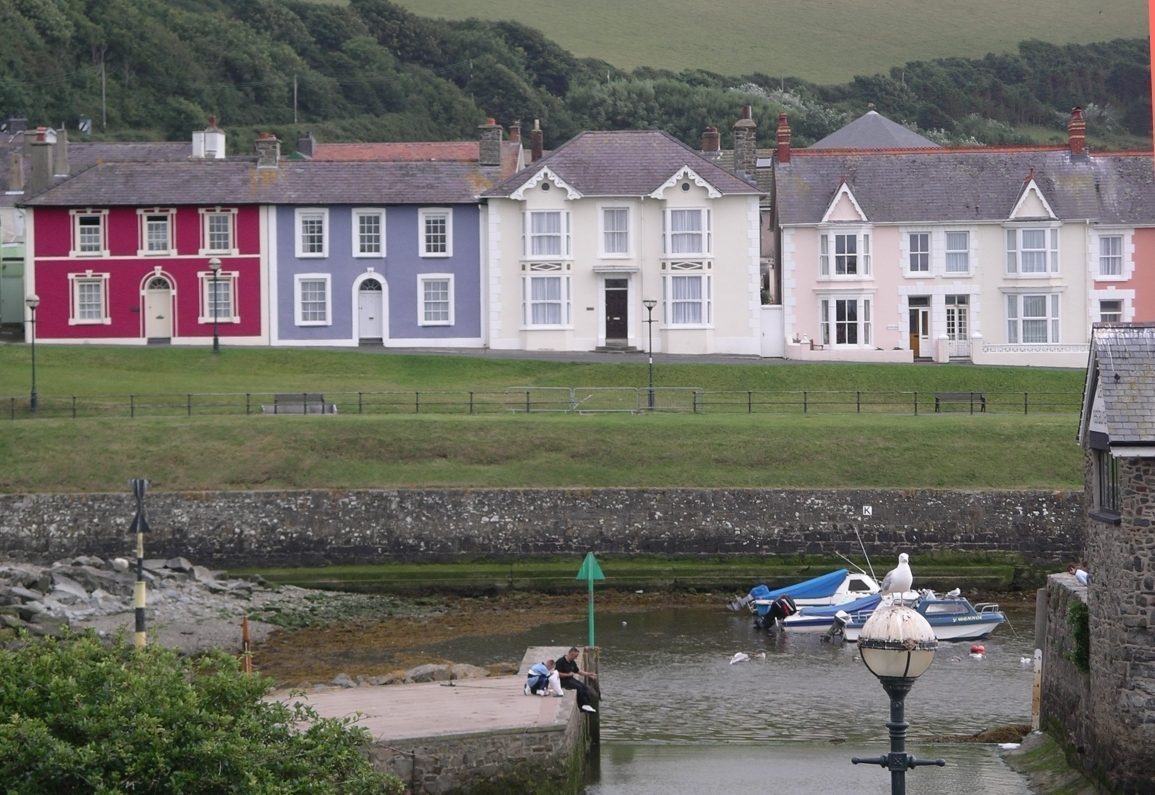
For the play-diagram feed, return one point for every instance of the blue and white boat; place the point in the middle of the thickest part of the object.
(952, 617)
(836, 587)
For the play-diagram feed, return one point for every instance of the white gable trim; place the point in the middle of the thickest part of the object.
(844, 192)
(542, 176)
(685, 172)
(1031, 193)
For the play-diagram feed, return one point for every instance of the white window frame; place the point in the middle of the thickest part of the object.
(227, 284)
(425, 214)
(533, 237)
(298, 299)
(1105, 260)
(958, 317)
(1121, 313)
(951, 256)
(1051, 319)
(605, 251)
(101, 217)
(682, 309)
(75, 282)
(831, 259)
(357, 244)
(918, 258)
(863, 322)
(208, 215)
(704, 232)
(1017, 252)
(423, 303)
(310, 215)
(144, 219)
(544, 273)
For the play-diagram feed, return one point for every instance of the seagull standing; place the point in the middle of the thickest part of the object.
(899, 579)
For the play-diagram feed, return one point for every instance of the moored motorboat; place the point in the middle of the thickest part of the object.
(952, 617)
(836, 587)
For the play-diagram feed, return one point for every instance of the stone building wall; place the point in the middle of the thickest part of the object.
(1066, 690)
(324, 527)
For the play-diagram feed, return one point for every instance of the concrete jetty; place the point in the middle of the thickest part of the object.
(441, 736)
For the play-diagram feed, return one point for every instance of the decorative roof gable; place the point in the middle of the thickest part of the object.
(541, 176)
(685, 173)
(1032, 204)
(844, 207)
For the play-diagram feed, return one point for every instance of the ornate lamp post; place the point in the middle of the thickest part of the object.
(650, 303)
(32, 302)
(897, 645)
(215, 267)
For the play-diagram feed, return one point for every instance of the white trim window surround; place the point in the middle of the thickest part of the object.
(1033, 319)
(614, 231)
(435, 232)
(546, 234)
(846, 320)
(844, 254)
(156, 232)
(368, 232)
(218, 296)
(917, 253)
(1032, 251)
(218, 230)
(687, 295)
(311, 232)
(89, 233)
(1113, 255)
(435, 295)
(957, 250)
(88, 299)
(687, 232)
(1111, 310)
(545, 296)
(312, 299)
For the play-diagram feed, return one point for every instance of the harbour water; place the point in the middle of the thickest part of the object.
(677, 716)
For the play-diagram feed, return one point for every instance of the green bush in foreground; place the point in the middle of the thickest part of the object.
(79, 715)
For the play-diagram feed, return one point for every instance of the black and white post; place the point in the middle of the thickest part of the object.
(140, 527)
(650, 303)
(215, 301)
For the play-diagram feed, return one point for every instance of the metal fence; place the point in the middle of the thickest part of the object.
(546, 400)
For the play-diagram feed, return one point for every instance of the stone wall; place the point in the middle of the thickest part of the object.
(317, 527)
(1066, 690)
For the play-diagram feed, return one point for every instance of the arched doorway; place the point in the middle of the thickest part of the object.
(158, 309)
(371, 311)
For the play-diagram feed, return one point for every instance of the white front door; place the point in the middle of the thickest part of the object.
(158, 309)
(370, 310)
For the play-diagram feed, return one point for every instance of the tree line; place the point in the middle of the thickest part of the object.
(370, 70)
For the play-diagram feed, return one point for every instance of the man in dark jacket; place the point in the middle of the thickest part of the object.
(568, 671)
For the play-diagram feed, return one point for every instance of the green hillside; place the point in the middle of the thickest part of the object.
(820, 41)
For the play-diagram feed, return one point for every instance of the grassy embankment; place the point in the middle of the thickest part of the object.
(844, 450)
(821, 42)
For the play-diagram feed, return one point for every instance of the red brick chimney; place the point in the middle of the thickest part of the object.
(711, 140)
(535, 147)
(783, 138)
(515, 132)
(1077, 132)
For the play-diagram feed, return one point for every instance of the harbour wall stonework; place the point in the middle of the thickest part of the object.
(266, 528)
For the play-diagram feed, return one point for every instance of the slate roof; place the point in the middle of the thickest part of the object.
(874, 131)
(424, 151)
(1122, 367)
(213, 182)
(966, 185)
(624, 163)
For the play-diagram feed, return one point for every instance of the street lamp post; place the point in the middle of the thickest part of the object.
(650, 303)
(32, 302)
(897, 645)
(215, 267)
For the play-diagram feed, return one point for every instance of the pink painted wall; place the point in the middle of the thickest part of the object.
(1143, 277)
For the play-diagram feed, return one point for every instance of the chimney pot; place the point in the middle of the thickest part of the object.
(711, 140)
(515, 132)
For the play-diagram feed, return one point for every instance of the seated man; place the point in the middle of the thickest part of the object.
(569, 672)
(542, 680)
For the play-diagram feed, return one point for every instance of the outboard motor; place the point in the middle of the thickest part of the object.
(779, 609)
(837, 631)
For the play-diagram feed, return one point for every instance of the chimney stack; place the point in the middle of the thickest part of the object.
(745, 144)
(16, 172)
(268, 150)
(41, 177)
(306, 144)
(783, 139)
(60, 154)
(1077, 132)
(535, 147)
(711, 141)
(515, 132)
(489, 153)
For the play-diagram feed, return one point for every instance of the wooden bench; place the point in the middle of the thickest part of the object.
(971, 398)
(299, 403)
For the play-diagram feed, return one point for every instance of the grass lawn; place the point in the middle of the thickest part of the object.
(205, 452)
(825, 42)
